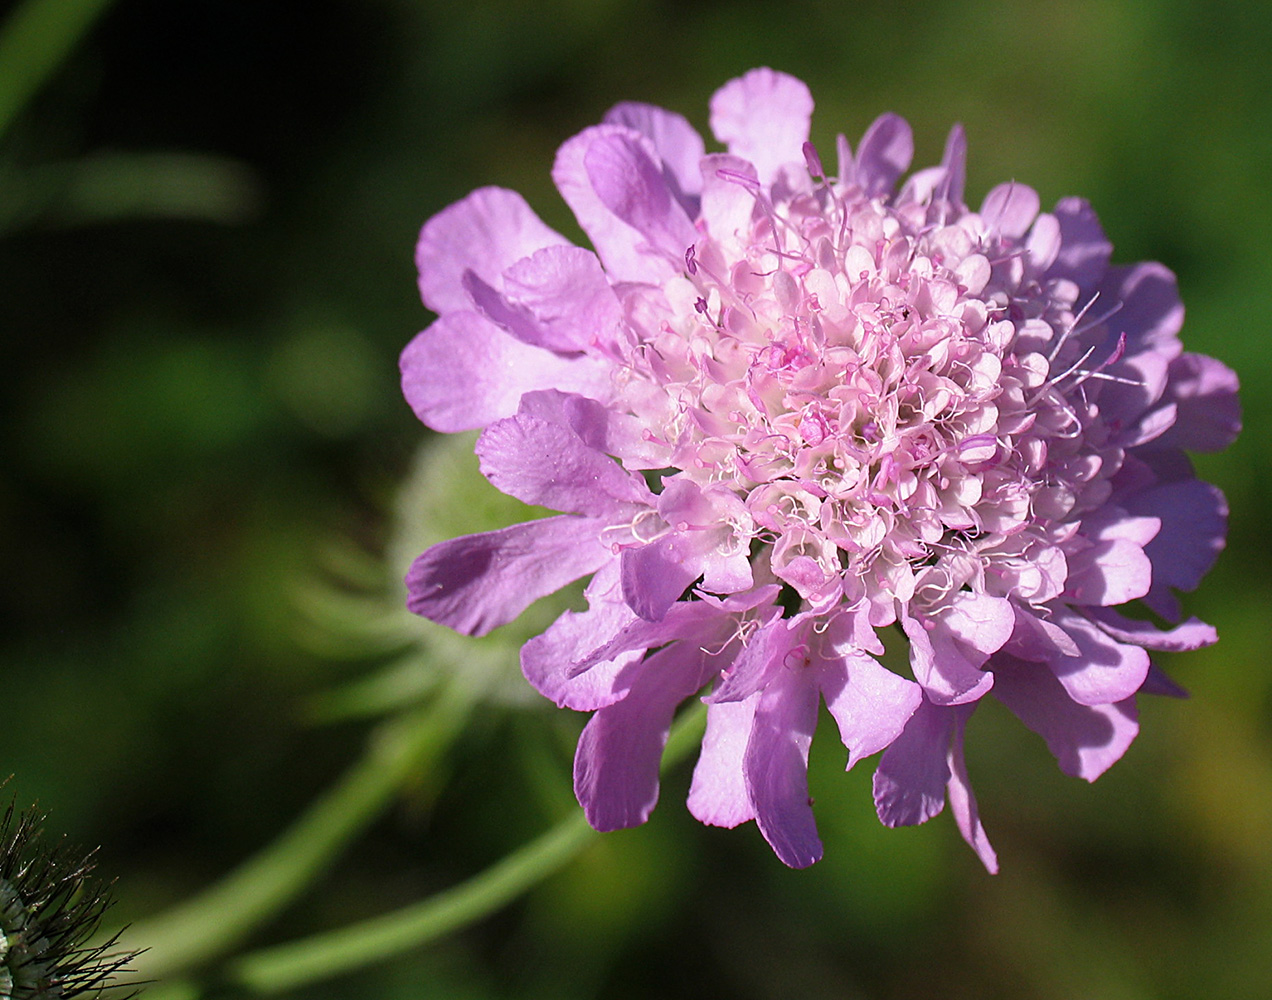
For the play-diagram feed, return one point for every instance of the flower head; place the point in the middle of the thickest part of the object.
(780, 409)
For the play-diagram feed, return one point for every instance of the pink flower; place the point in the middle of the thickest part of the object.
(780, 409)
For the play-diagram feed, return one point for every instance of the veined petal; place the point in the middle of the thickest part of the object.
(547, 464)
(1086, 740)
(464, 372)
(776, 767)
(547, 659)
(479, 582)
(1189, 635)
(630, 184)
(485, 233)
(884, 155)
(567, 293)
(616, 762)
(718, 795)
(1105, 670)
(623, 250)
(909, 784)
(870, 704)
(676, 141)
(763, 117)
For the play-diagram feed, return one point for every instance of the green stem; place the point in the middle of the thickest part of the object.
(214, 922)
(34, 41)
(286, 967)
(289, 966)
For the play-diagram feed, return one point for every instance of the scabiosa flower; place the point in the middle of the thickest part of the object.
(50, 908)
(781, 409)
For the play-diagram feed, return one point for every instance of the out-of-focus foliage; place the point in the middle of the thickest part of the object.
(206, 223)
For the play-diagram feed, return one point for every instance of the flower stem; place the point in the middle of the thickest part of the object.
(291, 966)
(214, 922)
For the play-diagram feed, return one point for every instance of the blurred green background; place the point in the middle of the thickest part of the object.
(207, 216)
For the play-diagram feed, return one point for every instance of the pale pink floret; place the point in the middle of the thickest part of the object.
(780, 410)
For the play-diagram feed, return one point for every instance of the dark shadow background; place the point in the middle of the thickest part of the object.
(200, 395)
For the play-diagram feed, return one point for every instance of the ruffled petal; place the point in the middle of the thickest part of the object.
(1190, 635)
(484, 233)
(656, 574)
(479, 582)
(870, 704)
(718, 795)
(547, 464)
(464, 372)
(944, 661)
(676, 141)
(622, 249)
(1194, 518)
(616, 762)
(909, 784)
(1204, 392)
(883, 156)
(1084, 249)
(1010, 209)
(546, 660)
(1105, 670)
(963, 802)
(764, 117)
(1086, 740)
(776, 767)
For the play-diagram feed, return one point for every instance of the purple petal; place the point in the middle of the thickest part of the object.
(776, 767)
(954, 164)
(677, 143)
(909, 784)
(1109, 572)
(1157, 682)
(622, 249)
(760, 659)
(1194, 518)
(727, 202)
(718, 795)
(963, 802)
(597, 426)
(948, 670)
(546, 464)
(883, 156)
(464, 372)
(1105, 670)
(485, 232)
(1010, 209)
(567, 293)
(1192, 634)
(763, 117)
(630, 185)
(1086, 740)
(870, 704)
(479, 582)
(547, 659)
(1037, 640)
(656, 574)
(1150, 312)
(1084, 250)
(1205, 393)
(616, 763)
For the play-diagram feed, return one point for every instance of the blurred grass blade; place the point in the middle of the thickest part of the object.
(214, 922)
(34, 40)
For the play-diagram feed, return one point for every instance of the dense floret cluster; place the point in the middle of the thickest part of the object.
(780, 409)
